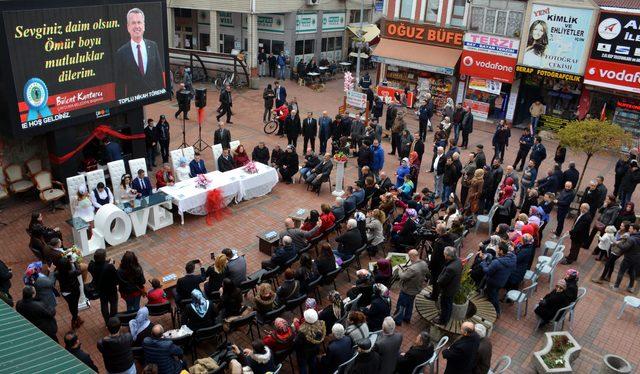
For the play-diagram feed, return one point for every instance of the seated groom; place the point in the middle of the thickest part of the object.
(321, 172)
(142, 184)
(196, 166)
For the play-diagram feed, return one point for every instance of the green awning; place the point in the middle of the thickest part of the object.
(26, 349)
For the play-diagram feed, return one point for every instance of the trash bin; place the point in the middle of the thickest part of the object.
(612, 364)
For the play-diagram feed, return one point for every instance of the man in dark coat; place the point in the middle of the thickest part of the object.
(38, 313)
(461, 355)
(629, 182)
(579, 234)
(367, 361)
(164, 138)
(226, 102)
(424, 116)
(324, 131)
(392, 112)
(222, 136)
(309, 131)
(150, 142)
(466, 127)
(272, 65)
(162, 352)
(563, 202)
(622, 165)
(292, 128)
(260, 154)
(321, 172)
(349, 241)
(225, 161)
(449, 282)
(500, 141)
(339, 350)
(72, 345)
(420, 351)
(388, 346)
(365, 157)
(630, 249)
(538, 152)
(526, 142)
(481, 159)
(281, 255)
(571, 174)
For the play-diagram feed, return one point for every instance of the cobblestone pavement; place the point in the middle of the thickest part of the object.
(167, 250)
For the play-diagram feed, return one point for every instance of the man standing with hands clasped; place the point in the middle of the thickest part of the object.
(449, 283)
(309, 131)
(226, 103)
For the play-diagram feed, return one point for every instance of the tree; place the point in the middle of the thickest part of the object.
(592, 136)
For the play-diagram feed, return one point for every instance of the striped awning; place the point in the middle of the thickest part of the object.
(26, 349)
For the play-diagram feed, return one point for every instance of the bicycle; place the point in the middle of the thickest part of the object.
(223, 79)
(271, 126)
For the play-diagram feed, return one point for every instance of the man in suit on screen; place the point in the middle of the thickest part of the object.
(138, 63)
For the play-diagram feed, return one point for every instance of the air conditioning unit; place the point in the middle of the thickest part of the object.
(313, 2)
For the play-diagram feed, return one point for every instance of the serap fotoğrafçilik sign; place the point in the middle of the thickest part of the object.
(70, 63)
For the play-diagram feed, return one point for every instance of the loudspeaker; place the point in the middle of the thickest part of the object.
(184, 100)
(201, 97)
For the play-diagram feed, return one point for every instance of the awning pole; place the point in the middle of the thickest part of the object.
(359, 44)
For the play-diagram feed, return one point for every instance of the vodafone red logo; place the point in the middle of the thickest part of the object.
(467, 61)
(482, 65)
(613, 75)
(494, 65)
(619, 75)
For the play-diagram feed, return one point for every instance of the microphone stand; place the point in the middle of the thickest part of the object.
(199, 143)
(184, 136)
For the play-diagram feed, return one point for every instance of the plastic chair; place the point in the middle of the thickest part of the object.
(558, 319)
(433, 360)
(543, 258)
(488, 219)
(520, 297)
(157, 310)
(550, 244)
(504, 360)
(549, 268)
(631, 301)
(532, 275)
(581, 292)
(278, 369)
(346, 365)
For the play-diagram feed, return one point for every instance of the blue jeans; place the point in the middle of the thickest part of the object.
(534, 124)
(281, 72)
(133, 303)
(446, 191)
(625, 197)
(304, 172)
(405, 301)
(151, 157)
(438, 184)
(456, 133)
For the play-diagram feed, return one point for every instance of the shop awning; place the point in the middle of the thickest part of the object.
(370, 31)
(431, 58)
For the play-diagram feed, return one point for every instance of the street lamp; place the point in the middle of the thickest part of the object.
(360, 42)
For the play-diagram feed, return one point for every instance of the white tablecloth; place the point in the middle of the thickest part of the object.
(235, 184)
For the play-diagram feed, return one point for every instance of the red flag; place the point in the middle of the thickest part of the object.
(603, 112)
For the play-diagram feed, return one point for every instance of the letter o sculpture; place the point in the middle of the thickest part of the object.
(113, 224)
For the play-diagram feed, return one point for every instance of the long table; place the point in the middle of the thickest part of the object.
(235, 185)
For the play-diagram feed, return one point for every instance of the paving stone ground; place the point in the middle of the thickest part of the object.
(167, 250)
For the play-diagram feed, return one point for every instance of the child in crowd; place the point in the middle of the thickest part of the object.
(605, 241)
(157, 294)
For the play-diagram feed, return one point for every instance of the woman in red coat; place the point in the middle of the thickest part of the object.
(240, 157)
(281, 338)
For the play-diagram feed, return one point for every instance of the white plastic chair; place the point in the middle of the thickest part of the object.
(481, 218)
(550, 244)
(631, 301)
(504, 360)
(346, 365)
(558, 319)
(521, 296)
(581, 292)
(116, 171)
(543, 258)
(549, 268)
(137, 164)
(95, 177)
(278, 369)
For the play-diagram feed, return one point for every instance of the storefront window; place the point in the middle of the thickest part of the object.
(299, 47)
(266, 44)
(277, 46)
(493, 21)
(457, 17)
(406, 7)
(228, 42)
(330, 44)
(432, 11)
(323, 46)
(338, 45)
(309, 46)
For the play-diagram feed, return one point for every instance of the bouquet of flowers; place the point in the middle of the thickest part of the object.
(202, 181)
(75, 253)
(340, 156)
(250, 168)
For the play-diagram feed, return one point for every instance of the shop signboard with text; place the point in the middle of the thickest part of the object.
(266, 22)
(489, 56)
(422, 33)
(333, 21)
(388, 95)
(556, 38)
(615, 55)
(478, 108)
(356, 99)
(225, 19)
(306, 23)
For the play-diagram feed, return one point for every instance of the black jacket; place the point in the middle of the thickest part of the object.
(188, 283)
(292, 126)
(260, 155)
(5, 277)
(225, 99)
(449, 278)
(551, 303)
(283, 254)
(129, 81)
(571, 175)
(338, 352)
(39, 314)
(222, 136)
(365, 363)
(630, 180)
(268, 95)
(84, 357)
(105, 277)
(323, 168)
(467, 123)
(309, 127)
(377, 311)
(225, 164)
(437, 257)
(413, 357)
(461, 355)
(116, 352)
(150, 136)
(349, 241)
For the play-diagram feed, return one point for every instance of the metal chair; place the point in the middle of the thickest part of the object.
(497, 369)
(521, 296)
(249, 285)
(346, 365)
(126, 317)
(346, 264)
(296, 302)
(290, 262)
(631, 301)
(359, 252)
(581, 292)
(203, 335)
(157, 310)
(351, 304)
(313, 287)
(270, 316)
(549, 268)
(488, 219)
(532, 276)
(330, 277)
(550, 244)
(283, 354)
(306, 249)
(270, 276)
(248, 320)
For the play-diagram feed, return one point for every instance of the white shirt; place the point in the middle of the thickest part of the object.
(143, 49)
(102, 195)
(435, 163)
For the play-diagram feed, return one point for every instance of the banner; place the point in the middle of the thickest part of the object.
(556, 38)
(79, 62)
(613, 75)
(333, 21)
(483, 65)
(423, 33)
(306, 23)
(357, 99)
(491, 44)
(479, 109)
(485, 85)
(388, 95)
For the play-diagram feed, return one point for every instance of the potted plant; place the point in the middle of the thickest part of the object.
(558, 353)
(461, 298)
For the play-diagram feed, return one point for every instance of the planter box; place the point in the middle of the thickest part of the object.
(570, 355)
(389, 255)
(459, 311)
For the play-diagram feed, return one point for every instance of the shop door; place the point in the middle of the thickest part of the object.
(204, 42)
(528, 94)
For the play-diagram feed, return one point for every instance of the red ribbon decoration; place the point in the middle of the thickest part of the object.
(100, 132)
(215, 207)
(200, 116)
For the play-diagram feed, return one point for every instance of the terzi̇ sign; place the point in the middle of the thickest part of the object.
(425, 34)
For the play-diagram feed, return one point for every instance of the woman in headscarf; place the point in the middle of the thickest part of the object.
(265, 298)
(281, 337)
(334, 311)
(240, 156)
(182, 171)
(36, 276)
(475, 191)
(535, 215)
(379, 308)
(406, 189)
(506, 206)
(414, 168)
(516, 234)
(200, 313)
(626, 214)
(401, 171)
(552, 302)
(382, 271)
(571, 277)
(530, 200)
(140, 327)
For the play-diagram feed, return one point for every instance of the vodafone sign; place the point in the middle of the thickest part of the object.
(482, 65)
(613, 75)
(489, 56)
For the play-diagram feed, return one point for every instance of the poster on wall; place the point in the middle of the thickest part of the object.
(333, 21)
(485, 85)
(306, 23)
(479, 109)
(388, 95)
(557, 38)
(73, 63)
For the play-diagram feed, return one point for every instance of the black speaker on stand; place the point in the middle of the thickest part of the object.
(201, 102)
(184, 104)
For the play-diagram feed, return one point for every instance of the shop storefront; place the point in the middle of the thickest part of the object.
(612, 74)
(419, 58)
(553, 53)
(488, 67)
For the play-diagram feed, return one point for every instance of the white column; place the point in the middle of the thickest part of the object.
(214, 38)
(252, 40)
(339, 179)
(171, 27)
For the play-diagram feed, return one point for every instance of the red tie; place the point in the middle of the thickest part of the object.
(140, 63)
